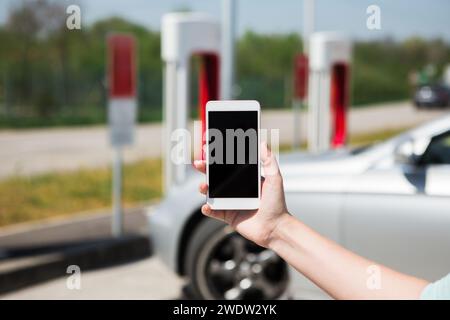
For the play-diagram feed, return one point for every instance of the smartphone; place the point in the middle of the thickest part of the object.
(232, 154)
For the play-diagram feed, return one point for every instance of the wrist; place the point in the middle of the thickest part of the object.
(277, 231)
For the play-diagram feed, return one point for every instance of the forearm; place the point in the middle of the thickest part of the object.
(338, 271)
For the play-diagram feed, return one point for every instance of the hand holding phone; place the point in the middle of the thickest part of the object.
(256, 225)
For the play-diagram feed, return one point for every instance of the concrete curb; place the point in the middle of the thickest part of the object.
(23, 272)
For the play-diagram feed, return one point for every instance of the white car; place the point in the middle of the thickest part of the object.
(389, 202)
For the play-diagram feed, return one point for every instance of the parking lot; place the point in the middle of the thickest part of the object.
(224, 150)
(148, 277)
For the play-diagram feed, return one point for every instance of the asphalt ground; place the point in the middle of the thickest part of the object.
(35, 257)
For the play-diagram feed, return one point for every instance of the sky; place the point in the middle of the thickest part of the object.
(400, 19)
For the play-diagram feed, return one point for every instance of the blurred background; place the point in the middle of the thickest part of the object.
(55, 177)
(52, 76)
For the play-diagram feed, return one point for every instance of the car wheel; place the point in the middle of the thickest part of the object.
(221, 264)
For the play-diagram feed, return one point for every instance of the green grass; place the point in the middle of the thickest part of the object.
(56, 194)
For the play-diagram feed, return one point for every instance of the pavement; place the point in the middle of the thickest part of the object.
(144, 279)
(28, 152)
(34, 258)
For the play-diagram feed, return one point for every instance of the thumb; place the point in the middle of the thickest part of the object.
(269, 162)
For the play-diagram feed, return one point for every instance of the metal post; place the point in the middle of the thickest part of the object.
(299, 104)
(170, 73)
(308, 23)
(308, 28)
(227, 56)
(117, 218)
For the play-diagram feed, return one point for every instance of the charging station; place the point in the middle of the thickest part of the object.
(184, 35)
(329, 88)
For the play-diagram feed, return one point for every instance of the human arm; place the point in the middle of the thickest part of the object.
(338, 271)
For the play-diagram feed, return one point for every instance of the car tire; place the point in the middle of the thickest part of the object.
(221, 264)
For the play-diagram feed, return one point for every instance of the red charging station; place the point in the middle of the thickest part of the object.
(339, 103)
(184, 35)
(208, 88)
(300, 76)
(328, 93)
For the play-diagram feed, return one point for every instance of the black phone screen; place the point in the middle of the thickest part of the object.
(233, 154)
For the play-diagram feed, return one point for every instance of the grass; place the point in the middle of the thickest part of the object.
(56, 194)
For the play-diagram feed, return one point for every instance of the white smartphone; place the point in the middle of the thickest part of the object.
(233, 170)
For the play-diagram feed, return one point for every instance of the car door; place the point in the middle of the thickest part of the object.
(320, 210)
(400, 216)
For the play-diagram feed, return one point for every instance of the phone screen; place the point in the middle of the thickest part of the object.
(233, 154)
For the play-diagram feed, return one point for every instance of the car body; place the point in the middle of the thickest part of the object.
(389, 202)
(432, 96)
